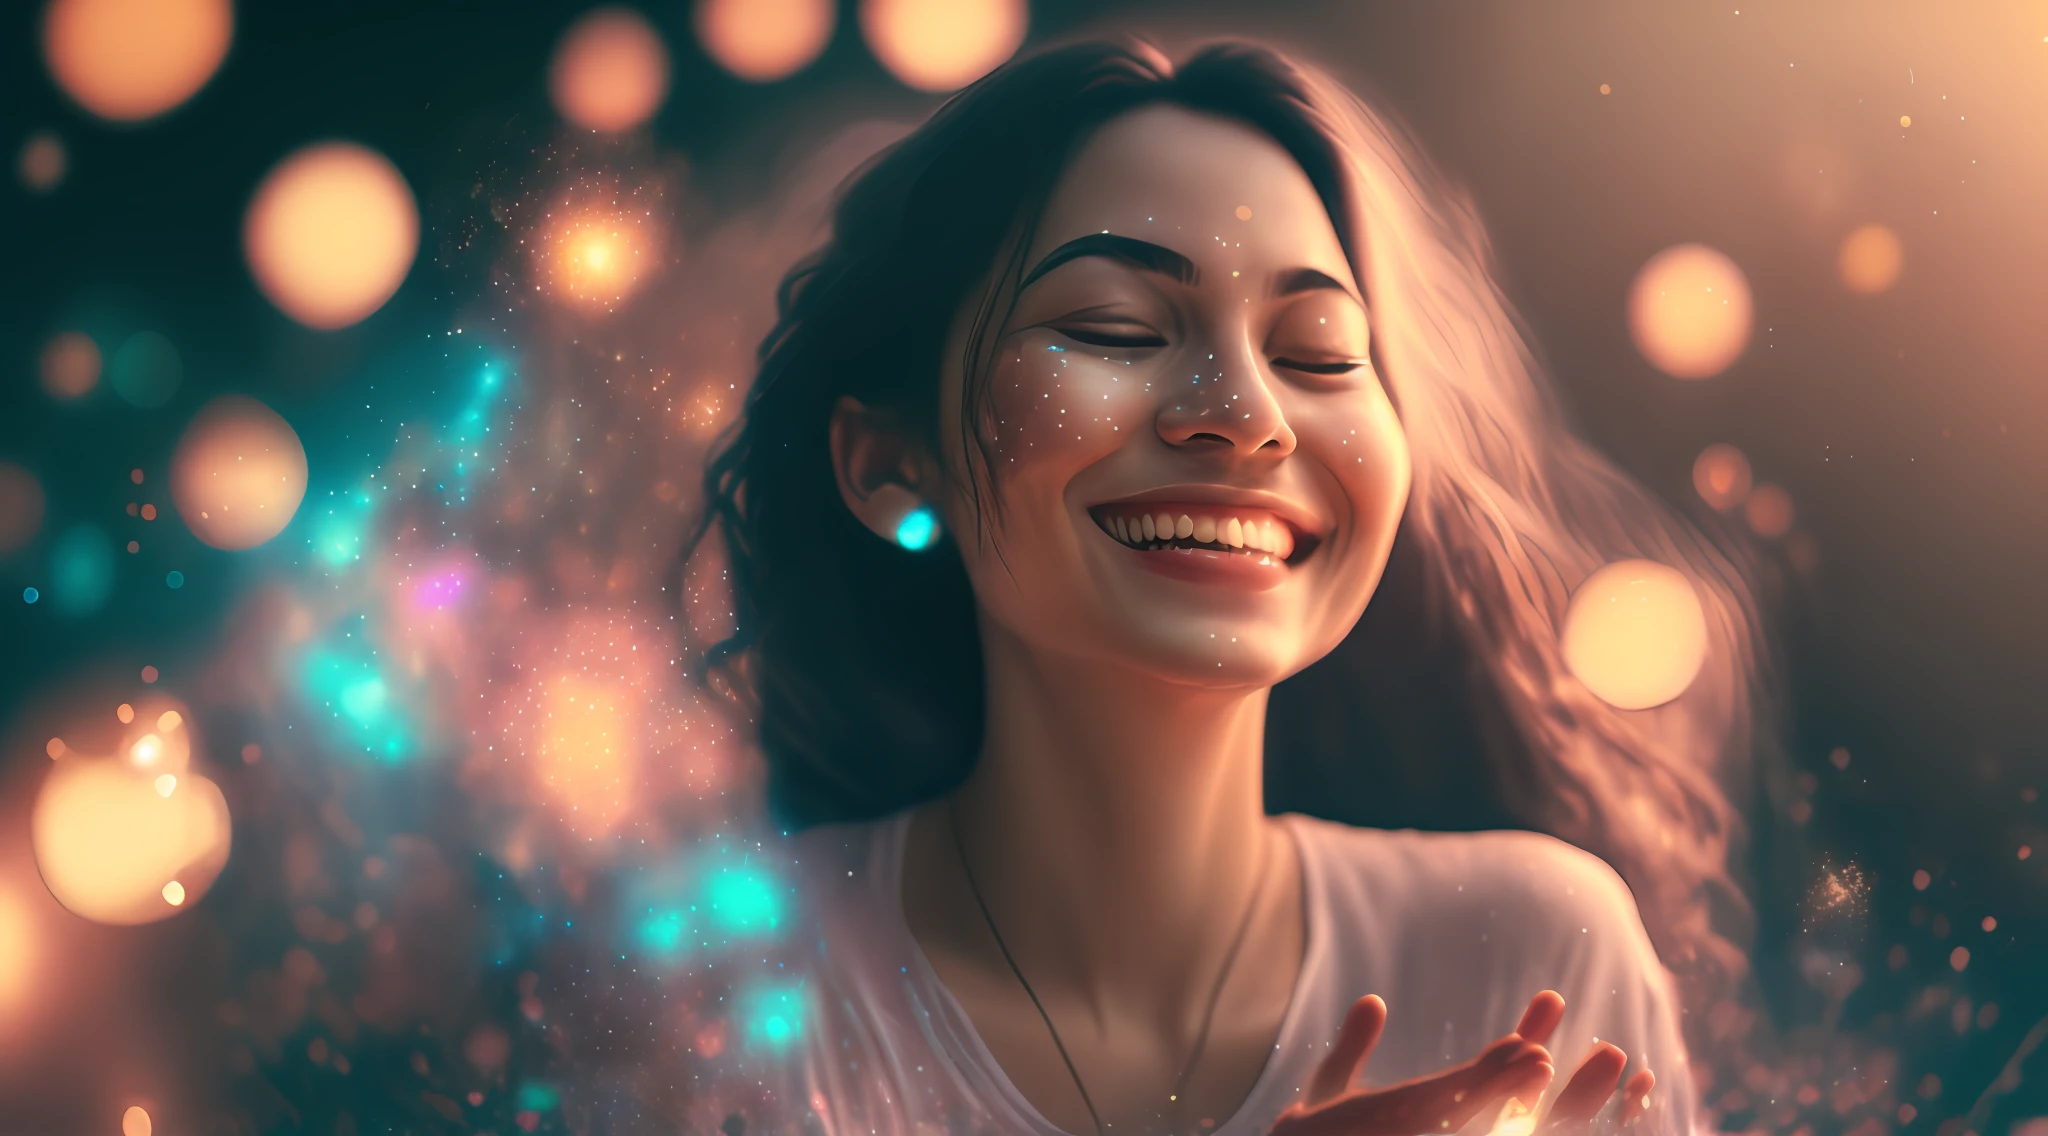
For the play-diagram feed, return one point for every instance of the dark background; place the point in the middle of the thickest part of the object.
(1909, 427)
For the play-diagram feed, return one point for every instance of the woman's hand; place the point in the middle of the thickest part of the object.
(1514, 1067)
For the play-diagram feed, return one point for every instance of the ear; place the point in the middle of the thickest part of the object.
(883, 474)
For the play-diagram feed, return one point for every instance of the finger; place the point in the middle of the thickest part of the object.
(1361, 1031)
(1587, 1092)
(1635, 1096)
(1540, 1019)
(1443, 1102)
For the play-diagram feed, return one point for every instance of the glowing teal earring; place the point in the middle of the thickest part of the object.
(918, 529)
(902, 517)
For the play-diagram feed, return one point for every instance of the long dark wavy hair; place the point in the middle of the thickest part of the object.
(1449, 706)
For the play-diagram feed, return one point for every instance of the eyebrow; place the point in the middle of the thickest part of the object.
(1308, 280)
(1130, 250)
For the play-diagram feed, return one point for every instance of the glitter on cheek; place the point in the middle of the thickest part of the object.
(1082, 406)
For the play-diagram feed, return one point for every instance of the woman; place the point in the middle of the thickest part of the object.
(1103, 411)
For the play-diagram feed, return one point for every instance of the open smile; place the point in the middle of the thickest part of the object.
(1253, 535)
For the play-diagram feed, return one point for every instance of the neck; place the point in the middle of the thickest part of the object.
(1115, 822)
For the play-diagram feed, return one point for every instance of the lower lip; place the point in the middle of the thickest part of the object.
(1244, 571)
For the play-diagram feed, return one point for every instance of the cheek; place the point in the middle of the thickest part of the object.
(1052, 408)
(1365, 449)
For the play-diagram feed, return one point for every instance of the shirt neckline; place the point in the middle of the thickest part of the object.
(959, 1028)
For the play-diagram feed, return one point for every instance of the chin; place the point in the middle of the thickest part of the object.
(1254, 660)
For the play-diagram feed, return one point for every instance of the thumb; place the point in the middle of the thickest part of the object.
(1361, 1031)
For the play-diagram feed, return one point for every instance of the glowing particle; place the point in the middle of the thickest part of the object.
(1635, 634)
(129, 60)
(55, 748)
(1905, 120)
(1989, 924)
(331, 234)
(135, 1121)
(174, 580)
(174, 893)
(1244, 212)
(1605, 89)
(30, 595)
(166, 785)
(1921, 879)
(149, 674)
(125, 713)
(1689, 311)
(169, 720)
(1959, 959)
(106, 838)
(149, 512)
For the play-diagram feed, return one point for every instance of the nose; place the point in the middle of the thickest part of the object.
(1227, 401)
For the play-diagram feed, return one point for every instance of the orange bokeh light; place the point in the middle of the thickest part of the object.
(129, 60)
(238, 474)
(1871, 260)
(764, 40)
(109, 838)
(588, 755)
(70, 365)
(135, 1121)
(17, 947)
(1769, 511)
(1635, 634)
(1721, 476)
(1689, 311)
(331, 233)
(942, 45)
(43, 162)
(610, 71)
(21, 507)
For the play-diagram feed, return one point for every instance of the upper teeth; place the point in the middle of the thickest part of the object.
(1253, 529)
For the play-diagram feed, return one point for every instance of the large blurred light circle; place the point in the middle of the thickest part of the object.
(147, 370)
(81, 569)
(129, 60)
(1635, 634)
(238, 474)
(70, 365)
(1721, 476)
(109, 839)
(1689, 311)
(21, 507)
(765, 40)
(1871, 259)
(610, 71)
(942, 45)
(331, 233)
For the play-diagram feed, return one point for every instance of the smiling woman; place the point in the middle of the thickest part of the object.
(1185, 358)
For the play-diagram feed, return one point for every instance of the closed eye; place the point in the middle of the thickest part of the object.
(1125, 337)
(1329, 367)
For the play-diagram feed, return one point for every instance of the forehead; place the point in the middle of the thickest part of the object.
(1220, 192)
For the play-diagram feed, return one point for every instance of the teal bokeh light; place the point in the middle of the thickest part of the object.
(743, 902)
(352, 689)
(81, 570)
(773, 1016)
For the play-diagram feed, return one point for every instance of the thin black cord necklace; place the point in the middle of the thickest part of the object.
(1180, 1084)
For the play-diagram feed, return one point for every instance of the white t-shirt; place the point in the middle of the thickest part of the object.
(1456, 931)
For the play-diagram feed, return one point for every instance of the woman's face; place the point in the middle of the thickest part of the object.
(1198, 471)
